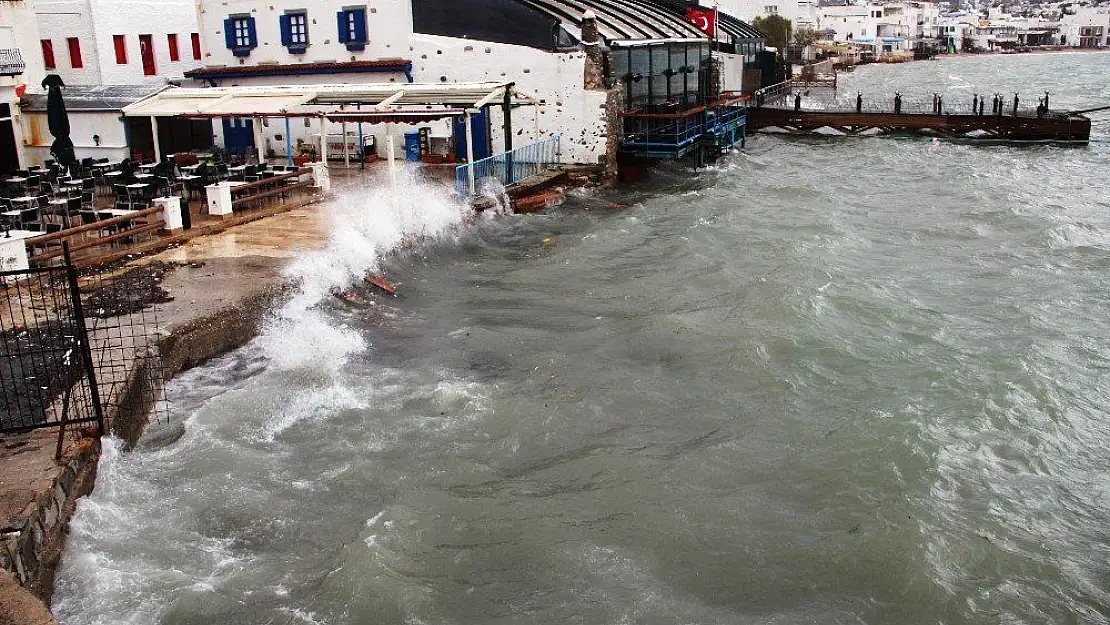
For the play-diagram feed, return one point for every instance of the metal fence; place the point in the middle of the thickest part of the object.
(78, 350)
(508, 167)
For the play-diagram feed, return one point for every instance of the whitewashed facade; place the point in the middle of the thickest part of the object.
(1086, 26)
(403, 56)
(892, 26)
(801, 13)
(119, 42)
(21, 66)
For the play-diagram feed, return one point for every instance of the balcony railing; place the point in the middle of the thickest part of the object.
(11, 62)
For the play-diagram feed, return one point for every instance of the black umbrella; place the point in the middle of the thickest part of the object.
(58, 120)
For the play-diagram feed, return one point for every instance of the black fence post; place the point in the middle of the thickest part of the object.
(83, 336)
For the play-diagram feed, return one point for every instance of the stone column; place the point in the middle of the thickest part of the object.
(595, 56)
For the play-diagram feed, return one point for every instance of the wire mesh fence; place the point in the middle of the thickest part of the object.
(508, 167)
(79, 350)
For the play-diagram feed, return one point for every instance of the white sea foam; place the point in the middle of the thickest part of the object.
(366, 225)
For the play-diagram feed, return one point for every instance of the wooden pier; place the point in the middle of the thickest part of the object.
(1062, 127)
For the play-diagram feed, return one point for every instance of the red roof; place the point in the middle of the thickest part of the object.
(387, 65)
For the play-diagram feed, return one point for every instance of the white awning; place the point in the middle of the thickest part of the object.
(307, 99)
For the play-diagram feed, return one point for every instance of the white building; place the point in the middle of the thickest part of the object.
(1086, 26)
(20, 66)
(890, 26)
(271, 42)
(801, 13)
(118, 42)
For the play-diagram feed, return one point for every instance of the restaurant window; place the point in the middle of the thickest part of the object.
(121, 49)
(48, 54)
(74, 45)
(294, 31)
(240, 34)
(195, 37)
(352, 28)
(171, 43)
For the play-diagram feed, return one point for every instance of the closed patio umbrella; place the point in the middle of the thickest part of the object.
(58, 121)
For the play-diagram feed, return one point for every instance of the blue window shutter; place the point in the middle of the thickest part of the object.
(360, 24)
(286, 30)
(252, 32)
(229, 32)
(341, 17)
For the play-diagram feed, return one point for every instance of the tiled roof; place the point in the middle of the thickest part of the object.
(94, 98)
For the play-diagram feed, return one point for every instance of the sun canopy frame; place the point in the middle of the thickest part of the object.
(308, 100)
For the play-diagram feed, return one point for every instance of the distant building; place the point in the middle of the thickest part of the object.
(1086, 26)
(118, 42)
(20, 66)
(801, 13)
(891, 27)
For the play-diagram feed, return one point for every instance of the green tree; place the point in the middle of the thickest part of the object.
(805, 36)
(777, 29)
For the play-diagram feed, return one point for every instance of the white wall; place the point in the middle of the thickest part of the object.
(96, 22)
(60, 20)
(853, 20)
(389, 24)
(555, 79)
(83, 125)
(132, 18)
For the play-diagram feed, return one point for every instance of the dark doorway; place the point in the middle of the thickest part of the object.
(9, 154)
(479, 125)
(140, 138)
(184, 135)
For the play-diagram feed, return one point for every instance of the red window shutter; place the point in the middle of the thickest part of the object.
(196, 46)
(48, 54)
(75, 52)
(171, 41)
(121, 49)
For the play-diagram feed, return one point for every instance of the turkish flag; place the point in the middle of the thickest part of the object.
(705, 19)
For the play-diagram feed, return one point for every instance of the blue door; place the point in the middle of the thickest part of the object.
(479, 125)
(239, 135)
(412, 145)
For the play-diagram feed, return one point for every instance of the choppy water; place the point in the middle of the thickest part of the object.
(827, 381)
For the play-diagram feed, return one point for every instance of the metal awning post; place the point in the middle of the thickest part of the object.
(361, 143)
(288, 143)
(346, 147)
(324, 140)
(157, 143)
(259, 148)
(470, 154)
(392, 169)
(507, 111)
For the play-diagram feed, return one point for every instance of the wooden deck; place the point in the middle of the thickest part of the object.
(1052, 127)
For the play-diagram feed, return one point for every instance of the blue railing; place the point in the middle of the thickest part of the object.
(508, 167)
(718, 127)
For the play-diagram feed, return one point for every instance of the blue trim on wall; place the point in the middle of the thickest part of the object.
(292, 70)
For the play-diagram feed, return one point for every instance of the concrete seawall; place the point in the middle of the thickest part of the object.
(223, 287)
